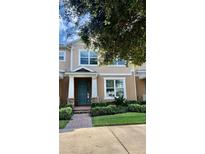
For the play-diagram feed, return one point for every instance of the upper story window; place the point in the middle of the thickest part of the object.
(88, 57)
(62, 56)
(119, 62)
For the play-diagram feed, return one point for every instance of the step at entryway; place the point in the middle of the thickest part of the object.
(81, 109)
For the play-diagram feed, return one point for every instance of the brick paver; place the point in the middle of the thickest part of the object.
(78, 121)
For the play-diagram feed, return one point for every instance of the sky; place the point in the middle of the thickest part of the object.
(65, 27)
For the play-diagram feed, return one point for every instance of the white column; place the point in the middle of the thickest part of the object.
(94, 87)
(71, 87)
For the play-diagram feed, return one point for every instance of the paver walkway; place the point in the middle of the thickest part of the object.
(78, 121)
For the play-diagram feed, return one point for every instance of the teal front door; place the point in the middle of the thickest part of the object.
(83, 96)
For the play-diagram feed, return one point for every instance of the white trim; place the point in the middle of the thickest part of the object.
(116, 65)
(71, 87)
(82, 67)
(62, 71)
(81, 74)
(71, 59)
(135, 88)
(115, 74)
(141, 74)
(64, 55)
(88, 50)
(61, 76)
(94, 87)
(115, 78)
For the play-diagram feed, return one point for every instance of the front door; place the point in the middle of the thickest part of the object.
(83, 92)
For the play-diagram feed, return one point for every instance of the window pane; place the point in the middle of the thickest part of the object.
(110, 93)
(119, 92)
(119, 83)
(114, 62)
(83, 60)
(110, 84)
(83, 54)
(61, 57)
(93, 61)
(93, 54)
(121, 62)
(61, 53)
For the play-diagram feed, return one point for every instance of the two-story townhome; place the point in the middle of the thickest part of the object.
(82, 79)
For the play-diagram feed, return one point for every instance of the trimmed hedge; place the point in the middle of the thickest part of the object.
(104, 110)
(137, 108)
(65, 113)
(101, 104)
(107, 110)
(135, 102)
(143, 108)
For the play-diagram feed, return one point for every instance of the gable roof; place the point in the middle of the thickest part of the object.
(83, 69)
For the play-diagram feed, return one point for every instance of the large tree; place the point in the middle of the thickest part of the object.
(116, 27)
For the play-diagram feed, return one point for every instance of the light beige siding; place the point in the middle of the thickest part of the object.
(65, 65)
(100, 69)
(131, 89)
(141, 87)
(63, 90)
(100, 88)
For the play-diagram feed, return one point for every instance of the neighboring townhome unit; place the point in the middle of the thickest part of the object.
(83, 80)
(140, 75)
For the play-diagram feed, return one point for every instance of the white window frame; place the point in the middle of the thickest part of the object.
(79, 61)
(115, 78)
(64, 55)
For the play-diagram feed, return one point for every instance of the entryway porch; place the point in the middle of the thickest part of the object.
(82, 88)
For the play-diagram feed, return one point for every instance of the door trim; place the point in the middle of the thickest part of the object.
(76, 90)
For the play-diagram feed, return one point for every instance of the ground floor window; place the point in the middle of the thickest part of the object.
(114, 87)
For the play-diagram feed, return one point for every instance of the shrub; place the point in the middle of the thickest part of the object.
(142, 102)
(135, 102)
(134, 107)
(120, 101)
(137, 108)
(121, 109)
(143, 108)
(101, 104)
(65, 113)
(65, 105)
(131, 102)
(105, 110)
(112, 109)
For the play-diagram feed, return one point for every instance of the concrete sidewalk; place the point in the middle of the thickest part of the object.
(127, 139)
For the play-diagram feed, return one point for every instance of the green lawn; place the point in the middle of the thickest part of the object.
(120, 119)
(62, 123)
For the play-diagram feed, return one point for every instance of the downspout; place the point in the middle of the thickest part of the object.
(71, 58)
(135, 82)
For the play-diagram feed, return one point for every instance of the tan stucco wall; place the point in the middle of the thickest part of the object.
(65, 65)
(63, 90)
(100, 69)
(131, 88)
(140, 85)
(100, 83)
